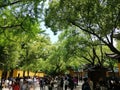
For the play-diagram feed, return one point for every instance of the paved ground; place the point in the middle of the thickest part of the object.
(46, 88)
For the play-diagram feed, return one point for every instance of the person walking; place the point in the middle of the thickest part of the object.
(61, 83)
(66, 83)
(16, 86)
(90, 83)
(41, 83)
(85, 85)
(71, 83)
(75, 82)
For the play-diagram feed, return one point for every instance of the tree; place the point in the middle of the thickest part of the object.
(75, 45)
(100, 18)
(34, 53)
(19, 24)
(55, 61)
(9, 57)
(18, 17)
(82, 48)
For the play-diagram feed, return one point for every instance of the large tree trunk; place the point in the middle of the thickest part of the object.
(96, 75)
(11, 73)
(4, 74)
(23, 73)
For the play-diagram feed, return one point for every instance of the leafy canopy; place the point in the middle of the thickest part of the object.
(100, 18)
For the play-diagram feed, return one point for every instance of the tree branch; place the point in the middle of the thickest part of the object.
(87, 59)
(8, 4)
(112, 48)
(10, 26)
(94, 53)
(88, 31)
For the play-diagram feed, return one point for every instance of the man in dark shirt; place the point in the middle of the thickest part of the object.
(85, 85)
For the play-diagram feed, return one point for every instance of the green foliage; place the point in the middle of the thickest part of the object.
(19, 17)
(55, 61)
(85, 12)
(24, 46)
(80, 48)
(96, 17)
(9, 56)
(34, 52)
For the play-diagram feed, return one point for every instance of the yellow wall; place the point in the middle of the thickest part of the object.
(31, 74)
(0, 73)
(20, 73)
(40, 74)
(17, 72)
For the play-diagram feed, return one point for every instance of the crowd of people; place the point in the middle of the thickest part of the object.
(29, 83)
(59, 83)
(25, 83)
(101, 84)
